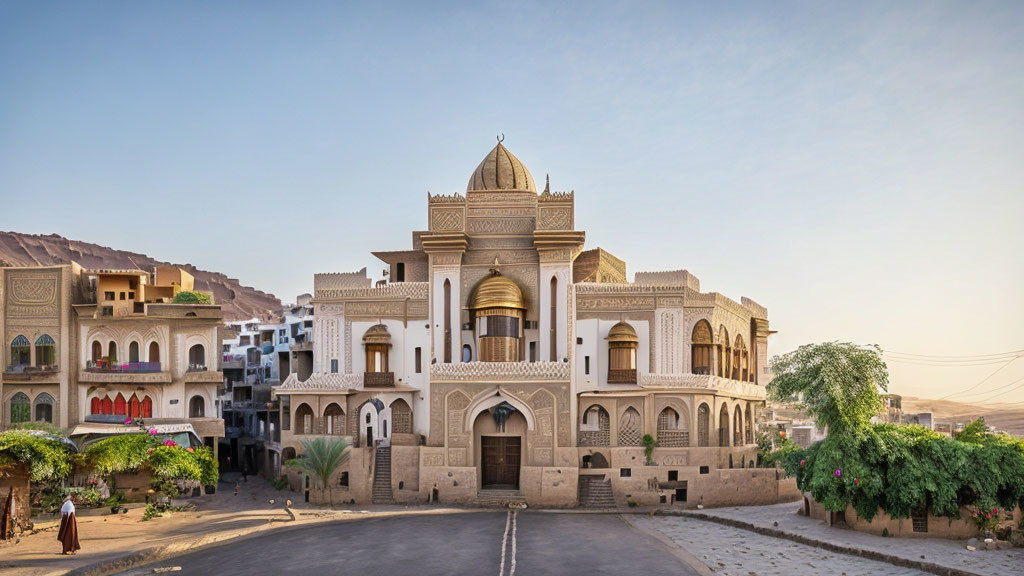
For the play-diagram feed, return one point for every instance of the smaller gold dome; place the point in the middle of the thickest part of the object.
(622, 333)
(377, 334)
(500, 170)
(496, 291)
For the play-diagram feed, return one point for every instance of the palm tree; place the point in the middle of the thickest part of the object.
(320, 458)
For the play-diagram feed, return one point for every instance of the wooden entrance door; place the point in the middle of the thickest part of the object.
(499, 458)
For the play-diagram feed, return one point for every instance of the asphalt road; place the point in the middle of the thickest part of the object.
(488, 543)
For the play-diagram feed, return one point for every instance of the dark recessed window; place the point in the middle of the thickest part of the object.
(625, 472)
(673, 475)
(586, 364)
(579, 340)
(705, 470)
(334, 366)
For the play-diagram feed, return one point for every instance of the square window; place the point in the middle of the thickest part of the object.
(673, 475)
(334, 366)
(579, 340)
(625, 472)
(680, 494)
(705, 470)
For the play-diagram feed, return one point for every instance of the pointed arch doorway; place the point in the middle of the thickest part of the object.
(501, 431)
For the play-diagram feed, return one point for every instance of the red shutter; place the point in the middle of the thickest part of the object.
(147, 407)
(133, 404)
(97, 406)
(108, 406)
(119, 405)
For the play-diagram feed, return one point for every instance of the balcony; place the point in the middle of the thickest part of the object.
(379, 380)
(128, 373)
(233, 361)
(29, 373)
(196, 368)
(499, 372)
(622, 376)
(695, 382)
(130, 367)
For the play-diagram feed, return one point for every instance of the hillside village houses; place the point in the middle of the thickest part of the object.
(501, 361)
(86, 349)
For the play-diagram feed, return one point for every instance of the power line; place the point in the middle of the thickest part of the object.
(1003, 393)
(1010, 353)
(949, 363)
(985, 379)
(993, 390)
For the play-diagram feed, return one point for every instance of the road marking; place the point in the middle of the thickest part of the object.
(510, 523)
(504, 543)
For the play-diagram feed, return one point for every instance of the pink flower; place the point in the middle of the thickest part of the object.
(152, 431)
(169, 443)
(802, 462)
(127, 421)
(989, 516)
(856, 480)
(149, 451)
(838, 472)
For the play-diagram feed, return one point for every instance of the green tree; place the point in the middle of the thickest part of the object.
(188, 297)
(973, 433)
(320, 458)
(837, 383)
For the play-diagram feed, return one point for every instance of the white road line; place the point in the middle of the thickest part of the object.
(512, 567)
(504, 543)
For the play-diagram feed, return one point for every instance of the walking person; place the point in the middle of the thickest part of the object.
(68, 533)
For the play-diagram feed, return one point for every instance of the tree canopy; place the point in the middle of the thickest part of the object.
(836, 383)
(188, 297)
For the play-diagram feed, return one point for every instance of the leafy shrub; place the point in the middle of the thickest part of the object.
(121, 453)
(166, 462)
(150, 512)
(279, 483)
(188, 297)
(649, 444)
(46, 458)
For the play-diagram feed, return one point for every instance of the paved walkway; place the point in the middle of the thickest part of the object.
(218, 517)
(946, 553)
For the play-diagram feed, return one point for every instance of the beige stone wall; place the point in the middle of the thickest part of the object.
(938, 527)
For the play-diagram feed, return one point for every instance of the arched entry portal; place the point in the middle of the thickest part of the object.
(372, 425)
(499, 434)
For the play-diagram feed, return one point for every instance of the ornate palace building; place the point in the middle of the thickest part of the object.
(86, 349)
(502, 361)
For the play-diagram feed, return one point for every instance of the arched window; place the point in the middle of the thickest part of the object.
(737, 427)
(554, 319)
(703, 425)
(133, 352)
(700, 348)
(112, 352)
(154, 352)
(21, 408)
(595, 427)
(134, 407)
(197, 358)
(739, 359)
(46, 351)
(197, 407)
(108, 405)
(749, 428)
(447, 321)
(20, 352)
(334, 420)
(304, 419)
(120, 406)
(467, 353)
(723, 352)
(629, 428)
(401, 417)
(622, 343)
(723, 426)
(96, 407)
(97, 351)
(147, 407)
(672, 429)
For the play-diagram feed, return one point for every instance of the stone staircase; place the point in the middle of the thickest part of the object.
(499, 498)
(382, 493)
(596, 492)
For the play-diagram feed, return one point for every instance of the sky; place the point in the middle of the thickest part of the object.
(857, 168)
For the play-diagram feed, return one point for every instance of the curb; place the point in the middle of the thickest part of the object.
(848, 550)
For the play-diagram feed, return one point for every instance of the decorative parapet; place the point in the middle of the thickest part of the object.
(556, 196)
(700, 381)
(340, 280)
(414, 290)
(319, 382)
(500, 371)
(693, 298)
(668, 277)
(455, 198)
(130, 377)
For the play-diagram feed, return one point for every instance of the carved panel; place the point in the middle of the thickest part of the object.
(33, 294)
(501, 226)
(446, 220)
(615, 303)
(555, 218)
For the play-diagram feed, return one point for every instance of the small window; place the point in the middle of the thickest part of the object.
(334, 366)
(680, 494)
(108, 295)
(123, 295)
(419, 360)
(579, 340)
(625, 472)
(673, 475)
(919, 519)
(400, 272)
(586, 364)
(343, 480)
(533, 351)
(108, 311)
(131, 295)
(705, 470)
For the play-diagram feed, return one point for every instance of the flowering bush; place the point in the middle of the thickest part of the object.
(46, 458)
(985, 520)
(165, 459)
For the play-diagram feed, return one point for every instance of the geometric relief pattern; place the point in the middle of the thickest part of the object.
(629, 428)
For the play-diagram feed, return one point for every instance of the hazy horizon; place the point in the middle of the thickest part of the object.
(854, 168)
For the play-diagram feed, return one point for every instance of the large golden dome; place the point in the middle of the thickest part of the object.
(496, 291)
(500, 170)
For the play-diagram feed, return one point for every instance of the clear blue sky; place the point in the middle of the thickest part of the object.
(856, 168)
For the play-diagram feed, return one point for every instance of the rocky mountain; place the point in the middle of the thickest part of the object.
(238, 302)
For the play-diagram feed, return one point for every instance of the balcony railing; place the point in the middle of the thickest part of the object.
(196, 368)
(126, 368)
(622, 376)
(378, 379)
(27, 371)
(702, 370)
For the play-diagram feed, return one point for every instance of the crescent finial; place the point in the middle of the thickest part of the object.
(501, 138)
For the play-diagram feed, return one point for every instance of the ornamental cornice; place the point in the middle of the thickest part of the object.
(584, 288)
(415, 290)
(700, 381)
(339, 382)
(455, 198)
(499, 371)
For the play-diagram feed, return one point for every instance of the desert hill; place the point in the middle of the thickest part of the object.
(238, 302)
